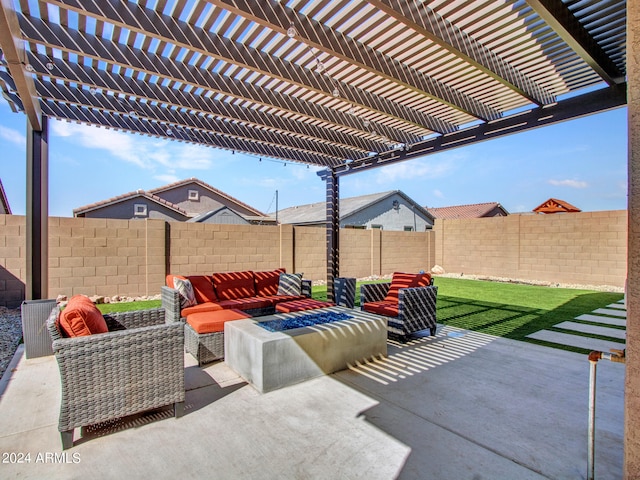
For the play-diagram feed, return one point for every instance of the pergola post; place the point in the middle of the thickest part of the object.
(632, 381)
(37, 253)
(333, 232)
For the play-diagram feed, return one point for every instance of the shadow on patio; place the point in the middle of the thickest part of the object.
(459, 405)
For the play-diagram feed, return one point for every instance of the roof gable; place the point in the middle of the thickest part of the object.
(82, 211)
(194, 181)
(555, 205)
(316, 212)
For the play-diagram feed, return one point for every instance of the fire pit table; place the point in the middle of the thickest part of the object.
(270, 354)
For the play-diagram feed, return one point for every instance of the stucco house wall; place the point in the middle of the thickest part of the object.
(391, 216)
(206, 202)
(125, 210)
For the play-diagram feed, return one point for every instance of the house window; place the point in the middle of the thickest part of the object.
(140, 210)
(193, 195)
(408, 228)
(376, 227)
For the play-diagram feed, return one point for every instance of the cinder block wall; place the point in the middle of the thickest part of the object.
(13, 267)
(108, 257)
(131, 257)
(406, 251)
(198, 249)
(584, 248)
(310, 252)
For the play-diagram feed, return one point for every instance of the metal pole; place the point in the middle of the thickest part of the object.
(592, 420)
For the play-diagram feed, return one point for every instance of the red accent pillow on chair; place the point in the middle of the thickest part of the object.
(406, 280)
(81, 318)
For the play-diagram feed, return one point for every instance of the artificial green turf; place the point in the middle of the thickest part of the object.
(507, 309)
(128, 306)
(502, 309)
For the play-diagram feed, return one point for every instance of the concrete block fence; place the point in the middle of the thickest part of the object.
(131, 257)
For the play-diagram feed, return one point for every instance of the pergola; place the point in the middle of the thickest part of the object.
(347, 85)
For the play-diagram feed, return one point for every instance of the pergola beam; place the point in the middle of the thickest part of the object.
(587, 104)
(277, 17)
(184, 35)
(107, 119)
(558, 16)
(133, 92)
(15, 55)
(422, 19)
(53, 36)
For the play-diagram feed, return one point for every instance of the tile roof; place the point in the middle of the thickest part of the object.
(555, 205)
(476, 210)
(188, 181)
(139, 193)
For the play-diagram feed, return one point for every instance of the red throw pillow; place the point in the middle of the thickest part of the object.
(267, 282)
(81, 318)
(203, 288)
(406, 280)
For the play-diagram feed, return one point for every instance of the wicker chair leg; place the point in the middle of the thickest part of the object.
(433, 331)
(67, 439)
(178, 409)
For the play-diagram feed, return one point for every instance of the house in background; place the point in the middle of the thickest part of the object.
(189, 200)
(392, 210)
(476, 210)
(4, 203)
(554, 205)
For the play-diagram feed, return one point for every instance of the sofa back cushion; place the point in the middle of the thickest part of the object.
(406, 280)
(232, 285)
(81, 318)
(203, 288)
(267, 282)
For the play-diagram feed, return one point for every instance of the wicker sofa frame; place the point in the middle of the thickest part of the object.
(137, 366)
(171, 303)
(208, 347)
(416, 308)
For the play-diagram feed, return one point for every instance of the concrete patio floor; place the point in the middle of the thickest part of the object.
(460, 405)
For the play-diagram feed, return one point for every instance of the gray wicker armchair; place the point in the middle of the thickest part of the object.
(138, 365)
(416, 308)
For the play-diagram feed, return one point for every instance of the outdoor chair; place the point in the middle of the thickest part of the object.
(409, 308)
(137, 365)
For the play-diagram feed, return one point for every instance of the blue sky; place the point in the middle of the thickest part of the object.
(583, 161)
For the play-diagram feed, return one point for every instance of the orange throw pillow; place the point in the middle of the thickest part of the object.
(81, 318)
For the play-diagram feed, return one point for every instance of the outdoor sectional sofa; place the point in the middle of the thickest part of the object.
(222, 297)
(409, 302)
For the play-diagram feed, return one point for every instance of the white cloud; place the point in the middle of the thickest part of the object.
(413, 169)
(167, 178)
(147, 153)
(120, 145)
(13, 136)
(437, 193)
(569, 183)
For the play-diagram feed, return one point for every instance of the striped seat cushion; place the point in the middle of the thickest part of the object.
(406, 280)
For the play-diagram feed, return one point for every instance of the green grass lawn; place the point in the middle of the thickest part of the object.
(507, 309)
(503, 309)
(512, 310)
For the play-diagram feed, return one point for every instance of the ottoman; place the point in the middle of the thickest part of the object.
(204, 333)
(300, 305)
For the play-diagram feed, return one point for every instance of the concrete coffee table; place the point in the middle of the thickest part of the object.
(272, 360)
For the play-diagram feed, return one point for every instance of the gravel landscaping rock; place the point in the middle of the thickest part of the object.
(10, 335)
